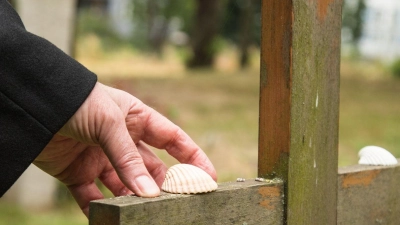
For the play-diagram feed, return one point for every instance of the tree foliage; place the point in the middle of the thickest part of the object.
(155, 20)
(204, 23)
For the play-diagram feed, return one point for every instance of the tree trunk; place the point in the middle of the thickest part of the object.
(245, 23)
(157, 27)
(204, 33)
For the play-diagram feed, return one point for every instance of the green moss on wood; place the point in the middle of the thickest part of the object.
(314, 123)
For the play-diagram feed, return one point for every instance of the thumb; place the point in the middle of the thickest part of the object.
(123, 154)
(100, 121)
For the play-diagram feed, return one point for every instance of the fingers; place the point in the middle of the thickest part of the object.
(107, 127)
(162, 133)
(154, 165)
(111, 180)
(146, 124)
(85, 193)
(125, 158)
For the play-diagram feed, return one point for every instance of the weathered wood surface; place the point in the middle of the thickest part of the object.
(248, 202)
(275, 88)
(299, 104)
(369, 195)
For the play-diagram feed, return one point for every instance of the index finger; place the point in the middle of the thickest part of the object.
(146, 124)
(163, 134)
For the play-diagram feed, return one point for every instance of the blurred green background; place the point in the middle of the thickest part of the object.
(197, 62)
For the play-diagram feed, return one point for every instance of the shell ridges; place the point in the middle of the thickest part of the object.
(377, 156)
(188, 179)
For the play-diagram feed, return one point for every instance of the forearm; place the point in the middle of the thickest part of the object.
(40, 89)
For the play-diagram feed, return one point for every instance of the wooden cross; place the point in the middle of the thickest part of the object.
(298, 141)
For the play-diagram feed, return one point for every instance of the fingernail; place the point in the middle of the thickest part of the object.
(147, 186)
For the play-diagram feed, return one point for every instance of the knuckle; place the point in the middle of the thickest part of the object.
(175, 138)
(129, 160)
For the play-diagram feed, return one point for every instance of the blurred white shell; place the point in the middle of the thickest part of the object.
(377, 156)
(188, 179)
(240, 179)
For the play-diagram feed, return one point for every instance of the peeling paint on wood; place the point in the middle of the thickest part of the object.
(267, 193)
(369, 195)
(323, 7)
(363, 178)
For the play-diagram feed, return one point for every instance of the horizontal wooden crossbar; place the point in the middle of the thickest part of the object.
(248, 202)
(366, 195)
(369, 194)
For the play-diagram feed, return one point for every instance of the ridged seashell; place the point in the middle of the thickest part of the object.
(377, 156)
(188, 179)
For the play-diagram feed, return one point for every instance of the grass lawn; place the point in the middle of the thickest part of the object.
(369, 111)
(66, 215)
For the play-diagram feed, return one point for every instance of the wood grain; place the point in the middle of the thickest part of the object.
(369, 195)
(275, 88)
(299, 104)
(248, 202)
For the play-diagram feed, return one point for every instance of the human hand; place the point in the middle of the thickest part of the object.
(106, 139)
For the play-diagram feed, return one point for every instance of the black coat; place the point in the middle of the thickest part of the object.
(40, 89)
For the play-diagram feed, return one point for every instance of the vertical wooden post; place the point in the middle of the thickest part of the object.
(299, 104)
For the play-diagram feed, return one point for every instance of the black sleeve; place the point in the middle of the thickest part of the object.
(40, 89)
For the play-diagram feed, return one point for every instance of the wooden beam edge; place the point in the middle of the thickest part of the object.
(248, 202)
(368, 194)
(361, 168)
(222, 187)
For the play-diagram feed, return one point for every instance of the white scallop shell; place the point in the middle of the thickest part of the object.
(377, 156)
(188, 179)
